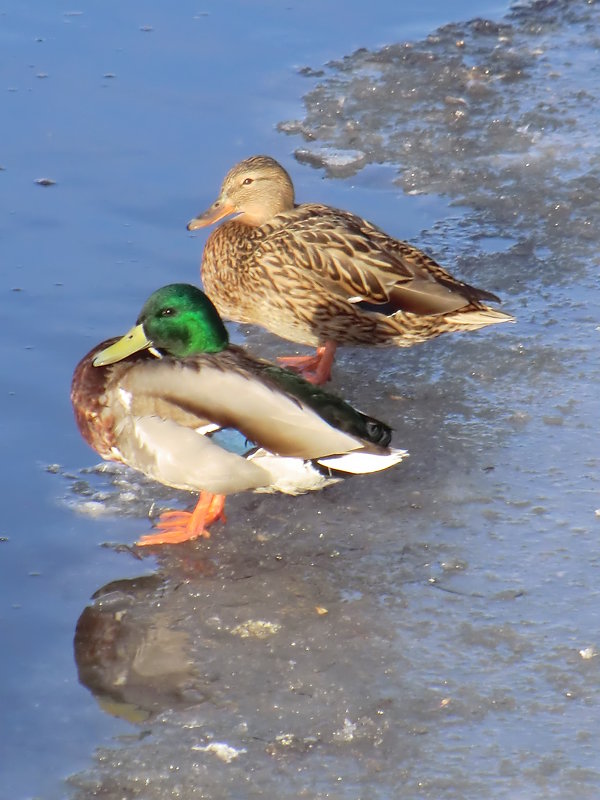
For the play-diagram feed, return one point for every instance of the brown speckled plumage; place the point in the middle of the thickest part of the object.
(315, 274)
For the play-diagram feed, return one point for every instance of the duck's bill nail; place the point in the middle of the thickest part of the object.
(216, 212)
(134, 340)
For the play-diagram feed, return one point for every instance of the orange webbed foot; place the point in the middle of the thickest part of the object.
(182, 526)
(314, 369)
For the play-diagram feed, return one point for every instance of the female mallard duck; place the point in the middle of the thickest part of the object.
(321, 276)
(160, 398)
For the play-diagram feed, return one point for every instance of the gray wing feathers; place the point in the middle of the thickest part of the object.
(266, 415)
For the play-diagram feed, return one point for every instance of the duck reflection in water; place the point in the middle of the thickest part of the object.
(130, 653)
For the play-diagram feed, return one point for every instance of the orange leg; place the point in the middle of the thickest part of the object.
(181, 526)
(314, 369)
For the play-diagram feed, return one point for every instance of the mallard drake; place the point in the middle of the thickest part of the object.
(323, 277)
(174, 400)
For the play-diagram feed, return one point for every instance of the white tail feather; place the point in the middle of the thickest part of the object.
(479, 318)
(360, 463)
(290, 475)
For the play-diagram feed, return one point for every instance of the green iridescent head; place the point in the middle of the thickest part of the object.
(178, 320)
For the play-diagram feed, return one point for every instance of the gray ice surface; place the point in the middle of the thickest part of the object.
(434, 631)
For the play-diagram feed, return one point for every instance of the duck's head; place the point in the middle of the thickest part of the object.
(178, 320)
(254, 190)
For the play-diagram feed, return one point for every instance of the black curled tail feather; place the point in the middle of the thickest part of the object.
(332, 409)
(377, 432)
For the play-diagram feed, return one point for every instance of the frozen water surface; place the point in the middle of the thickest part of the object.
(429, 632)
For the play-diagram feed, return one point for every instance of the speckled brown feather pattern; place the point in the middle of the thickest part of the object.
(314, 273)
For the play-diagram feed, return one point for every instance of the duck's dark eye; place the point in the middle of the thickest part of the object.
(247, 181)
(167, 312)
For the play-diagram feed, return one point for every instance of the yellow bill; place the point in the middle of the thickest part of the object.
(134, 340)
